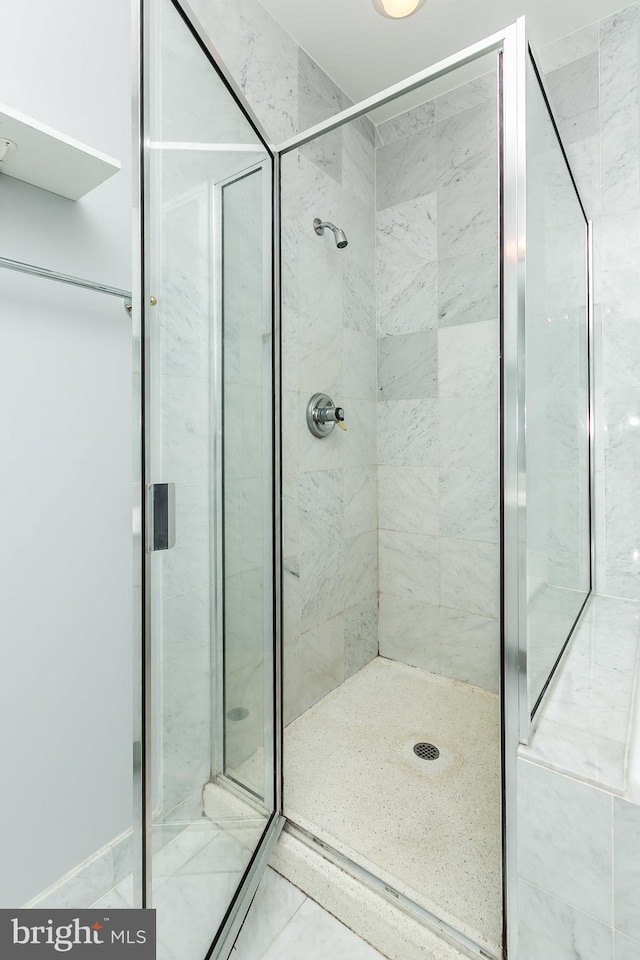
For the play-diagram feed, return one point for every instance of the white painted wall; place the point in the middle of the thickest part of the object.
(66, 467)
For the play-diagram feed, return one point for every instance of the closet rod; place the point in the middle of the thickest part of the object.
(63, 278)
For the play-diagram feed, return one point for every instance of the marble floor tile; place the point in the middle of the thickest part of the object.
(111, 901)
(275, 903)
(316, 935)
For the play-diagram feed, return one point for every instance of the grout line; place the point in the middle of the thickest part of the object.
(566, 903)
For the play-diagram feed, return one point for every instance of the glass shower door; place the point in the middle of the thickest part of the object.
(208, 424)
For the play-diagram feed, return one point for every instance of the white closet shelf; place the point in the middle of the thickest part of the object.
(49, 159)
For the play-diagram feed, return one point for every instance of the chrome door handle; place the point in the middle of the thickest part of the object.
(161, 514)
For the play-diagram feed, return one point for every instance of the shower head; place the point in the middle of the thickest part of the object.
(340, 237)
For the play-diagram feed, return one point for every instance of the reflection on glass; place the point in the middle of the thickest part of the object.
(208, 263)
(557, 445)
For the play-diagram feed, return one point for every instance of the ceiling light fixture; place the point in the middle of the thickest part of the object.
(397, 9)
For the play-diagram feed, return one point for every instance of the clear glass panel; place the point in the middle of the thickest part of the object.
(247, 410)
(391, 555)
(208, 420)
(557, 442)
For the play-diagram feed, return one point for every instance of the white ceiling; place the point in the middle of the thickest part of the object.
(364, 52)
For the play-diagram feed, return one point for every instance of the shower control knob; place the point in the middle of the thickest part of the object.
(323, 415)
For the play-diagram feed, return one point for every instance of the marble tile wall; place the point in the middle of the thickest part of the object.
(579, 886)
(329, 345)
(437, 326)
(578, 833)
(593, 78)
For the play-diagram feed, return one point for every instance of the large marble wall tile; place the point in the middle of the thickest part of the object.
(407, 298)
(468, 356)
(470, 648)
(360, 635)
(621, 169)
(358, 264)
(358, 164)
(406, 168)
(572, 47)
(325, 151)
(186, 695)
(467, 145)
(406, 233)
(360, 500)
(361, 567)
(408, 122)
(409, 631)
(552, 929)
(468, 287)
(470, 94)
(469, 576)
(359, 364)
(468, 503)
(319, 80)
(408, 499)
(622, 579)
(187, 565)
(620, 251)
(358, 442)
(322, 546)
(584, 157)
(622, 429)
(468, 216)
(184, 414)
(574, 96)
(626, 867)
(468, 432)
(622, 528)
(564, 839)
(321, 661)
(621, 353)
(261, 56)
(408, 366)
(409, 566)
(625, 948)
(408, 433)
(619, 69)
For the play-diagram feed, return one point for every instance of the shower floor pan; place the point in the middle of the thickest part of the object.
(429, 828)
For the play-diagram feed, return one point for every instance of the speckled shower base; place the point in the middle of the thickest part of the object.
(430, 829)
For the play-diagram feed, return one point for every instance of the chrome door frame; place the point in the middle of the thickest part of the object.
(142, 761)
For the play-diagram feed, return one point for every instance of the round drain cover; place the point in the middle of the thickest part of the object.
(426, 751)
(237, 713)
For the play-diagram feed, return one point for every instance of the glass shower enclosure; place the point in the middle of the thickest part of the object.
(278, 569)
